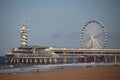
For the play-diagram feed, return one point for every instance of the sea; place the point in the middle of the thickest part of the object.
(2, 60)
(38, 68)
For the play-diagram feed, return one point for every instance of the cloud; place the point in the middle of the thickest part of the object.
(65, 35)
(73, 35)
(58, 34)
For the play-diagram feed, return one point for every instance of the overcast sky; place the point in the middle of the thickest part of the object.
(56, 23)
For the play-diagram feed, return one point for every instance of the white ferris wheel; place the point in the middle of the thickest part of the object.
(93, 35)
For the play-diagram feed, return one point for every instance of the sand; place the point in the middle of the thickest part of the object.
(101, 73)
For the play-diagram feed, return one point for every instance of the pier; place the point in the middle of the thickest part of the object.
(92, 50)
(48, 55)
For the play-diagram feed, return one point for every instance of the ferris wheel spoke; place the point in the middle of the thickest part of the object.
(97, 28)
(94, 44)
(86, 33)
(86, 40)
(100, 42)
(99, 31)
(88, 44)
(88, 30)
(97, 44)
(94, 28)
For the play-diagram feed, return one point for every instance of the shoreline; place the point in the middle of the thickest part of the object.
(26, 69)
(97, 73)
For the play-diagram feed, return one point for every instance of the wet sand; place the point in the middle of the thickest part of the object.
(101, 73)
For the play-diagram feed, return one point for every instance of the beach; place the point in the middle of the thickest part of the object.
(98, 73)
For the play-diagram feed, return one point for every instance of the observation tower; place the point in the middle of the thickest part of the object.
(23, 32)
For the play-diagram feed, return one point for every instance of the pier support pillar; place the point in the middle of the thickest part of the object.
(54, 60)
(116, 58)
(17, 61)
(40, 61)
(26, 60)
(75, 60)
(30, 60)
(22, 60)
(45, 60)
(11, 60)
(50, 60)
(14, 61)
(95, 58)
(105, 58)
(35, 60)
(85, 59)
(64, 59)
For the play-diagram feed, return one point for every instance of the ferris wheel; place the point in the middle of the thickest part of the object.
(93, 35)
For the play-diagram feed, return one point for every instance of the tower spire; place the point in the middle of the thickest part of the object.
(23, 21)
(23, 32)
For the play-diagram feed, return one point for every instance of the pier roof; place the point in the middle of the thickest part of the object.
(34, 46)
(85, 50)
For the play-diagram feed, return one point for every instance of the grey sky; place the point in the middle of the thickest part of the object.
(56, 23)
